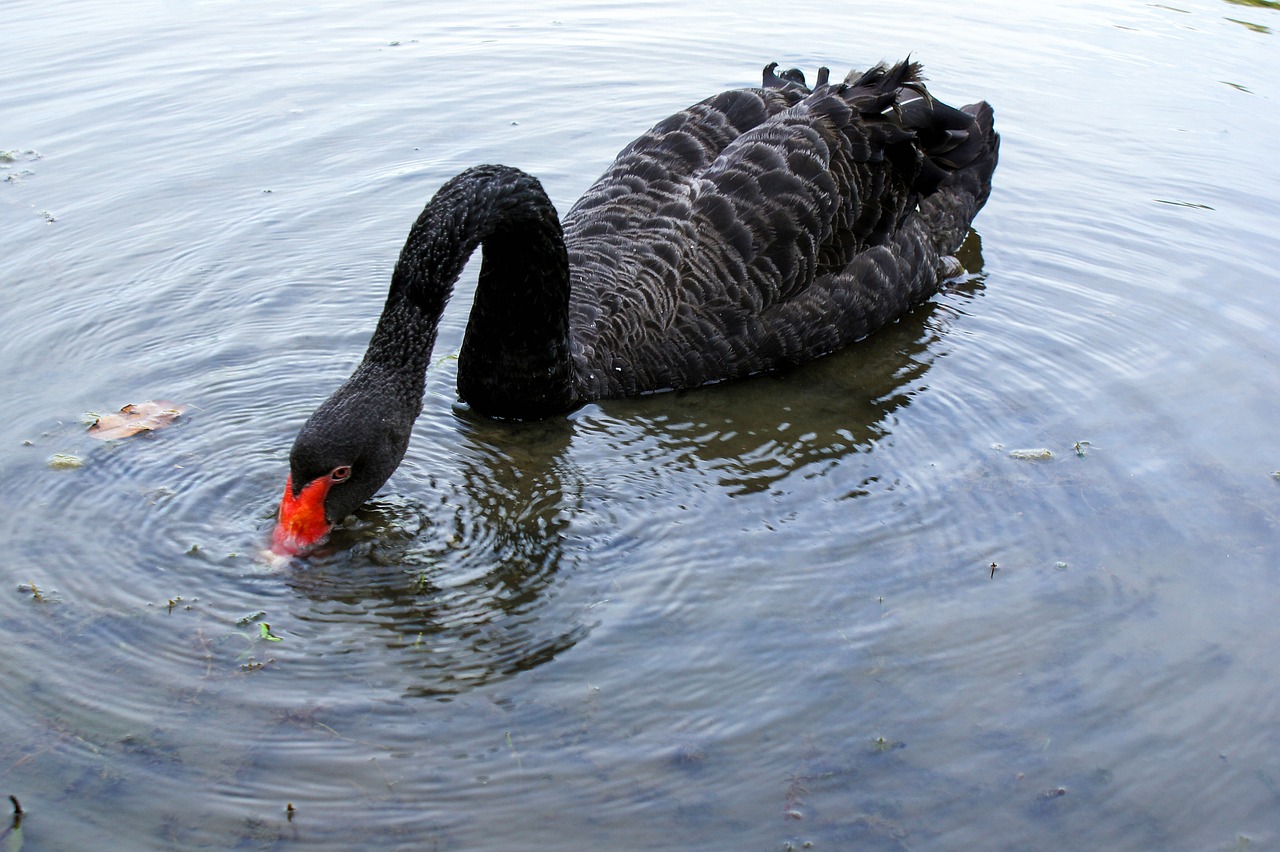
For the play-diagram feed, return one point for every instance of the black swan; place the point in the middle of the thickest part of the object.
(755, 230)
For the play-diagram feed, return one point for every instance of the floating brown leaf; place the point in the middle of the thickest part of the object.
(132, 419)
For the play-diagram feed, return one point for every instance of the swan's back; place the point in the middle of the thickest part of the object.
(765, 227)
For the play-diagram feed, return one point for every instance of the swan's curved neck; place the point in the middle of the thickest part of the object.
(515, 358)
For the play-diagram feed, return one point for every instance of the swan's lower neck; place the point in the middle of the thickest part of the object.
(515, 360)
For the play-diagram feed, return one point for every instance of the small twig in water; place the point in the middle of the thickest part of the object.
(17, 807)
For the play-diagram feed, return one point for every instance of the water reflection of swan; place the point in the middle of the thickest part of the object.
(837, 406)
(462, 590)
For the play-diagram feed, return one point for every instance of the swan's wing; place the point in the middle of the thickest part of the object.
(796, 238)
(626, 237)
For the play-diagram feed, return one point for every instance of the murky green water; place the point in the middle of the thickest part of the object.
(754, 616)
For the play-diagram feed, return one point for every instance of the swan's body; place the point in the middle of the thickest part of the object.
(758, 229)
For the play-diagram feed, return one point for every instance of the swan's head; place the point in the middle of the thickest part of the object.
(344, 453)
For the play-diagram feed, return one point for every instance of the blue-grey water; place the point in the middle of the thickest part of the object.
(756, 616)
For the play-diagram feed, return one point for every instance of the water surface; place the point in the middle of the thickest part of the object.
(833, 606)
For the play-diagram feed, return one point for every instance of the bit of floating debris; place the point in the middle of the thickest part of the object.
(1037, 454)
(132, 419)
(65, 461)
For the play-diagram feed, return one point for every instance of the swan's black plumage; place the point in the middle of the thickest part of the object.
(757, 229)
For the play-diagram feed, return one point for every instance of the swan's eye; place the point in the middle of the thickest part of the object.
(340, 473)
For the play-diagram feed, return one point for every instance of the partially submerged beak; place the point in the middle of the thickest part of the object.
(301, 524)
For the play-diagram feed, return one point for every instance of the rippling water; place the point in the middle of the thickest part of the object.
(835, 606)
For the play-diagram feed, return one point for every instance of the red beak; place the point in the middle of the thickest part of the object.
(301, 524)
